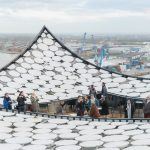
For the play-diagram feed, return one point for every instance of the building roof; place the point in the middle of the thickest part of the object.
(20, 131)
(54, 72)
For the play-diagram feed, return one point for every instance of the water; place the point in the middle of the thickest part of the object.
(5, 58)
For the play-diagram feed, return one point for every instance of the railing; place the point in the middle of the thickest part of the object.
(85, 118)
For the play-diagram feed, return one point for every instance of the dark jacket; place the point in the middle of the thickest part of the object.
(104, 91)
(80, 107)
(104, 105)
(147, 108)
(86, 103)
(21, 100)
(132, 108)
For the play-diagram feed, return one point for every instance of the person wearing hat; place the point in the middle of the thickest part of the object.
(146, 109)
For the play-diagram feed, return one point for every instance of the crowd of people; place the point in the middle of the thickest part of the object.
(85, 105)
(129, 108)
(21, 105)
(91, 105)
(95, 107)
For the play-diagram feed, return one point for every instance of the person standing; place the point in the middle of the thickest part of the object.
(129, 108)
(104, 105)
(86, 102)
(7, 102)
(80, 107)
(104, 90)
(34, 101)
(146, 109)
(21, 102)
(93, 100)
(92, 91)
(93, 105)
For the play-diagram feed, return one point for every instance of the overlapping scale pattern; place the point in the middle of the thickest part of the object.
(49, 67)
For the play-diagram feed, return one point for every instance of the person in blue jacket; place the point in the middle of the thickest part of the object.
(7, 102)
(93, 100)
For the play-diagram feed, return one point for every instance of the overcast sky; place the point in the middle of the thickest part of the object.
(75, 16)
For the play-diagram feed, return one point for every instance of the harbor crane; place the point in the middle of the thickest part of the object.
(94, 43)
(82, 48)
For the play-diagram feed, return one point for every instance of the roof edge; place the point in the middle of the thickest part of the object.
(65, 47)
(87, 62)
(26, 49)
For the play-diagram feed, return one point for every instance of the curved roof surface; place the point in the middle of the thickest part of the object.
(55, 72)
(24, 132)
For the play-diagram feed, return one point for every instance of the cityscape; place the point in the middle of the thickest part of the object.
(128, 54)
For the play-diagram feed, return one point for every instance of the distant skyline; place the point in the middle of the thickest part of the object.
(75, 16)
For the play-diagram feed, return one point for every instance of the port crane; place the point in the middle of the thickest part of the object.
(82, 48)
(100, 55)
(94, 48)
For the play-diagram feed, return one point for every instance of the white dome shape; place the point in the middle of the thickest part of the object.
(48, 41)
(42, 46)
(21, 70)
(10, 146)
(37, 54)
(19, 140)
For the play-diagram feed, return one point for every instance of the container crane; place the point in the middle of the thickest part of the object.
(94, 48)
(82, 48)
(100, 55)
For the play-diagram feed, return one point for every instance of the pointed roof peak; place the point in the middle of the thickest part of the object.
(48, 66)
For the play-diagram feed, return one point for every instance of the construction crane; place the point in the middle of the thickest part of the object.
(94, 48)
(100, 55)
(82, 48)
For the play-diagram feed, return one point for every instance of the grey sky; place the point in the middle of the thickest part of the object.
(75, 16)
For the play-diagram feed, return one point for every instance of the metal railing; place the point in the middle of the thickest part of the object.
(85, 118)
